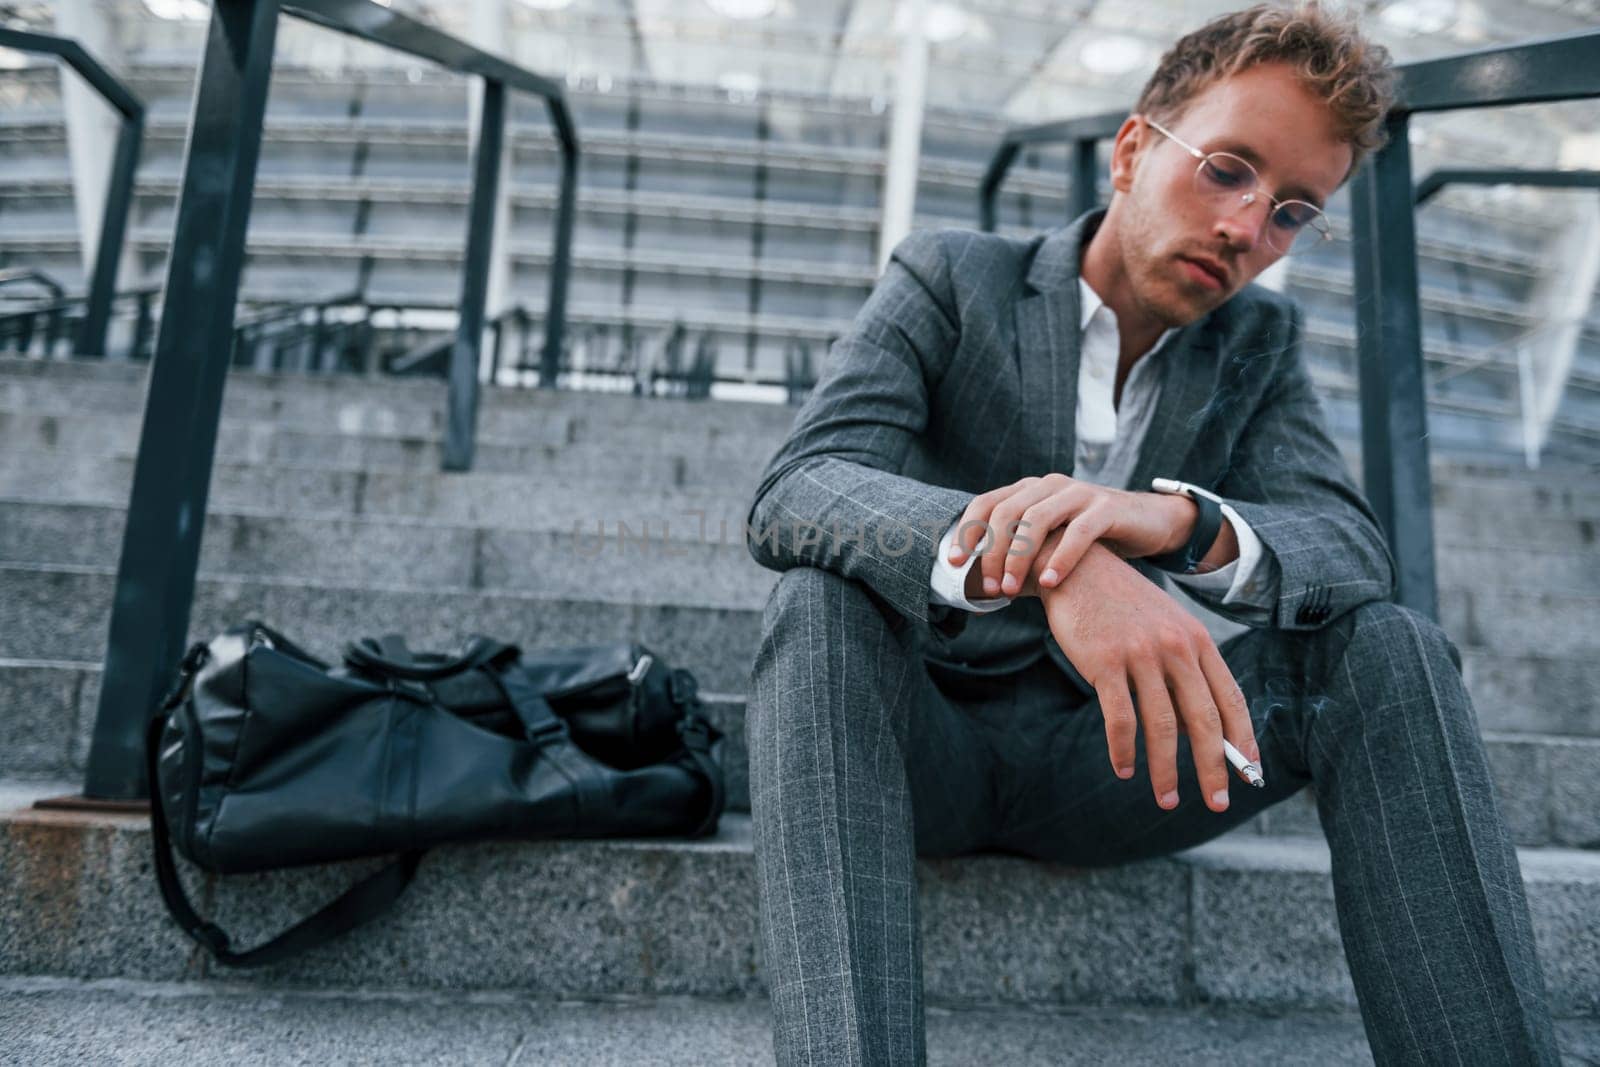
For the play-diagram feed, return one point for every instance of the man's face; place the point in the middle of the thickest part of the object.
(1262, 114)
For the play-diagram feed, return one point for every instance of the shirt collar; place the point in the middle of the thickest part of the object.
(1089, 302)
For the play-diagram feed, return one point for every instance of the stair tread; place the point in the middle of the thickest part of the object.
(47, 1021)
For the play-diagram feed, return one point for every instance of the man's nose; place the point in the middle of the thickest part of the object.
(1241, 223)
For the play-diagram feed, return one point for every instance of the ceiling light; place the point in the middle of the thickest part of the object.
(946, 22)
(547, 5)
(743, 9)
(1419, 16)
(11, 59)
(1115, 54)
(941, 23)
(179, 10)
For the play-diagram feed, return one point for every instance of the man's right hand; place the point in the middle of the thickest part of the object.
(1125, 635)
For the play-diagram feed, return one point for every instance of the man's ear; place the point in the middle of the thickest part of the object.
(1131, 137)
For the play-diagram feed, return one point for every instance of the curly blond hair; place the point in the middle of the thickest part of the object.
(1326, 49)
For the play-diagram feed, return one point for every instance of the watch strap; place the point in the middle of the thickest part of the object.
(1206, 528)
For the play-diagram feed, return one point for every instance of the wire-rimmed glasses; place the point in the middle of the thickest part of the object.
(1226, 180)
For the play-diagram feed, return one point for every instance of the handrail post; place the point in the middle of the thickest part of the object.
(461, 428)
(113, 228)
(1397, 479)
(555, 316)
(1085, 175)
(183, 404)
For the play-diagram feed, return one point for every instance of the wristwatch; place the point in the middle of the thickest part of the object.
(1206, 527)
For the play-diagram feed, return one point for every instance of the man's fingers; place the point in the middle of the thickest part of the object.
(1160, 731)
(1122, 728)
(1076, 537)
(1012, 522)
(1202, 721)
(974, 525)
(1037, 523)
(976, 519)
(1237, 726)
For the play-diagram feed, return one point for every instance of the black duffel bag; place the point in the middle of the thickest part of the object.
(621, 703)
(265, 757)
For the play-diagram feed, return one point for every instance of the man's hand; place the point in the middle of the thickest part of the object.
(1017, 518)
(1125, 635)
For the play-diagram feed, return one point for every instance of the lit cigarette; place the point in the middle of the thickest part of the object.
(1250, 771)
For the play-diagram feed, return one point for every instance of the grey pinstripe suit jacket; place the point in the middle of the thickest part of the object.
(959, 374)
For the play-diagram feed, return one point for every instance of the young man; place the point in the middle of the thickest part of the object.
(1029, 394)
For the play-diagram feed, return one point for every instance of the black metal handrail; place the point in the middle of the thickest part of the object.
(1396, 474)
(1081, 135)
(27, 275)
(119, 193)
(177, 446)
(1435, 182)
(18, 325)
(1394, 418)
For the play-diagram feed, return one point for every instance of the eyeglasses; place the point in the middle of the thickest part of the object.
(1224, 179)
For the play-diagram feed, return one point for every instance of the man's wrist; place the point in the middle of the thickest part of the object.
(1183, 514)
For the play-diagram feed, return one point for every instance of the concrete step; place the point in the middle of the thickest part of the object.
(1536, 676)
(79, 385)
(658, 916)
(47, 713)
(540, 499)
(113, 387)
(532, 500)
(1527, 622)
(53, 1022)
(653, 563)
(1519, 502)
(508, 414)
(636, 553)
(408, 412)
(1508, 622)
(663, 462)
(60, 613)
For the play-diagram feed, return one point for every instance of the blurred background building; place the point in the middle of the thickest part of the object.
(738, 187)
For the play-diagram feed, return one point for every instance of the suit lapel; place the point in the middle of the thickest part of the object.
(1047, 351)
(1189, 382)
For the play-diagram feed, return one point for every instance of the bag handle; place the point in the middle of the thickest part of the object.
(366, 900)
(389, 655)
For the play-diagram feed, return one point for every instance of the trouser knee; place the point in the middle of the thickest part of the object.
(814, 625)
(1375, 654)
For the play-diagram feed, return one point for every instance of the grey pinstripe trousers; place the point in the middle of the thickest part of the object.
(1370, 711)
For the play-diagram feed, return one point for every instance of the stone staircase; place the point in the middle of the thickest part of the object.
(329, 517)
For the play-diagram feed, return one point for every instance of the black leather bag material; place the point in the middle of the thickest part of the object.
(265, 757)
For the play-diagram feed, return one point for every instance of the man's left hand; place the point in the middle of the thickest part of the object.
(1019, 517)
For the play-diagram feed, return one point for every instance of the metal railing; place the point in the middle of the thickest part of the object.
(1394, 433)
(172, 472)
(1394, 419)
(91, 338)
(51, 321)
(1082, 136)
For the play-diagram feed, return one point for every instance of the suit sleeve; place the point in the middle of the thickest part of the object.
(832, 495)
(1325, 552)
(1248, 585)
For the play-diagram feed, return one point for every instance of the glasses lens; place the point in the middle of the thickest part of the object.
(1295, 226)
(1221, 174)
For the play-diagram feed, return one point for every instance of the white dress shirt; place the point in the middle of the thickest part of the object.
(1108, 439)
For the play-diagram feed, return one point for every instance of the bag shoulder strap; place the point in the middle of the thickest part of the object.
(364, 901)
